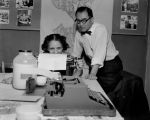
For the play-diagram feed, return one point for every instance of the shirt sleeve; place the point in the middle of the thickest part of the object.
(77, 48)
(99, 46)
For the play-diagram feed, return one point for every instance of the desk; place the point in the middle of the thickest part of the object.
(92, 84)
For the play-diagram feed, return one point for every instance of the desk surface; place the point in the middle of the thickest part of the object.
(92, 84)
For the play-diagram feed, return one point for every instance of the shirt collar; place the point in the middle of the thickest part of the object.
(91, 29)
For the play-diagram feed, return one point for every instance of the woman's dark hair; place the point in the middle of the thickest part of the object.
(84, 8)
(55, 37)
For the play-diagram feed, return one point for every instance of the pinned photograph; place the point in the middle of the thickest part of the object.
(4, 3)
(24, 4)
(4, 16)
(24, 17)
(130, 6)
(128, 22)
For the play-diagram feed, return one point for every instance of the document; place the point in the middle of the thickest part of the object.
(52, 61)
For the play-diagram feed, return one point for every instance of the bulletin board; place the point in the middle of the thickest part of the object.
(14, 14)
(130, 17)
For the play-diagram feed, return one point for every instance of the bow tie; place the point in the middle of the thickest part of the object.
(86, 32)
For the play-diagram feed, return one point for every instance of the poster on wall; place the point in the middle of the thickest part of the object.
(130, 6)
(28, 4)
(130, 17)
(4, 3)
(4, 16)
(24, 17)
(128, 22)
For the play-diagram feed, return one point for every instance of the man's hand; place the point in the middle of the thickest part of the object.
(92, 77)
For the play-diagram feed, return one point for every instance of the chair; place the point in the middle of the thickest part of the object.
(129, 97)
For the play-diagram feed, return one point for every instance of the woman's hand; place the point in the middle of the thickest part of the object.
(80, 63)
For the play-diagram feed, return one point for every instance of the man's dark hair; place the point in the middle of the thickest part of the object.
(84, 8)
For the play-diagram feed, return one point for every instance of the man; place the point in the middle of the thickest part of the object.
(93, 42)
(100, 53)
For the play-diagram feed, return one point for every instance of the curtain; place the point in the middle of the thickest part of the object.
(57, 16)
(147, 73)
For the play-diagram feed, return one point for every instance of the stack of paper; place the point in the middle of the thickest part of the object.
(8, 93)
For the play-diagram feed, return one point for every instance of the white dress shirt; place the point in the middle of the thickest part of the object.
(98, 46)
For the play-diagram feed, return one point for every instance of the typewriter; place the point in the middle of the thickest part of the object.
(70, 96)
(73, 98)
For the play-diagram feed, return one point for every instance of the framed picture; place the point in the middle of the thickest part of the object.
(130, 17)
(24, 4)
(24, 17)
(4, 3)
(4, 16)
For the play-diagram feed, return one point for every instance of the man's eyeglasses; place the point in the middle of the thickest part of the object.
(83, 21)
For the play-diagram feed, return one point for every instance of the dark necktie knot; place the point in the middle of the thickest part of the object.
(86, 32)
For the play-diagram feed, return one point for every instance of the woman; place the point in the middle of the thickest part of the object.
(56, 44)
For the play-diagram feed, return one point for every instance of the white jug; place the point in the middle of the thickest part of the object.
(21, 63)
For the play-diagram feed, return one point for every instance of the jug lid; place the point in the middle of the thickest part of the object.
(25, 51)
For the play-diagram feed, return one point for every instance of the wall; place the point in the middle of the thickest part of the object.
(132, 44)
(14, 37)
(147, 74)
(132, 52)
(13, 40)
(132, 48)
